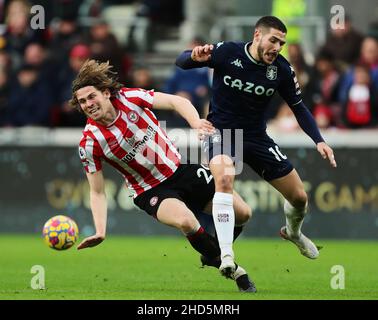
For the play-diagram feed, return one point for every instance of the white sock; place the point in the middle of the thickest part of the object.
(294, 219)
(224, 221)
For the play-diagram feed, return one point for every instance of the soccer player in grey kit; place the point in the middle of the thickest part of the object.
(246, 76)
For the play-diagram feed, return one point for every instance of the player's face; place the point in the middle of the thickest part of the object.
(269, 44)
(94, 103)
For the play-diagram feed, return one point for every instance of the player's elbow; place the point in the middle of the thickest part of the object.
(178, 63)
(184, 59)
(181, 64)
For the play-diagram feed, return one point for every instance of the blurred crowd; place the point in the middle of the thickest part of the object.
(341, 87)
(38, 66)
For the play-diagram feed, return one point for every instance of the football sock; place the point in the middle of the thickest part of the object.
(224, 221)
(204, 243)
(294, 219)
(237, 231)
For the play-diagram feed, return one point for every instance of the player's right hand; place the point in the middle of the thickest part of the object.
(202, 53)
(204, 128)
(91, 241)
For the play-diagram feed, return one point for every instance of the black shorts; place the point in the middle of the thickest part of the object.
(260, 152)
(191, 183)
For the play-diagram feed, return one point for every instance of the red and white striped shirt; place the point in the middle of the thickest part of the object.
(134, 143)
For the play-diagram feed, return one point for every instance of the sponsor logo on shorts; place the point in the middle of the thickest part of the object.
(153, 201)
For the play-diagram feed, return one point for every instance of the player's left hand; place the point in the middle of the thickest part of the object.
(327, 153)
(91, 241)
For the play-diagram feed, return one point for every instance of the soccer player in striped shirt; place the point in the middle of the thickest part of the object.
(123, 131)
(246, 76)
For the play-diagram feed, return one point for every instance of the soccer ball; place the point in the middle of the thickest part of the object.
(60, 232)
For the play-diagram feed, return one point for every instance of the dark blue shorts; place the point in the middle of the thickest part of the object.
(260, 152)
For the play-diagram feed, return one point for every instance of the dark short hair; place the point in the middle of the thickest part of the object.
(271, 22)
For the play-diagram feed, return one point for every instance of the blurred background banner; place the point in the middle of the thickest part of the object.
(44, 180)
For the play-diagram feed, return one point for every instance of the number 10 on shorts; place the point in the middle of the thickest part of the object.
(277, 153)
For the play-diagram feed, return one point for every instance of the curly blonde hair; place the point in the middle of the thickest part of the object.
(98, 75)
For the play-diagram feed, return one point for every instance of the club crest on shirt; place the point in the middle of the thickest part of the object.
(271, 72)
(133, 116)
(153, 201)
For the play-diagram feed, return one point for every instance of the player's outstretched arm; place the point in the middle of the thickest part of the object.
(185, 109)
(197, 58)
(309, 126)
(99, 209)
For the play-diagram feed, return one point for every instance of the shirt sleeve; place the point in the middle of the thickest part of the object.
(218, 54)
(307, 122)
(90, 155)
(289, 88)
(141, 97)
(184, 60)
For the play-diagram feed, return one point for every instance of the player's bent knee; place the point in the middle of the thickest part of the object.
(187, 223)
(299, 199)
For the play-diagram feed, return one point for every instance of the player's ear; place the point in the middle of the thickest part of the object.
(257, 34)
(106, 93)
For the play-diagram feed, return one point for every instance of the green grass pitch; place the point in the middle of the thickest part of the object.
(154, 268)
